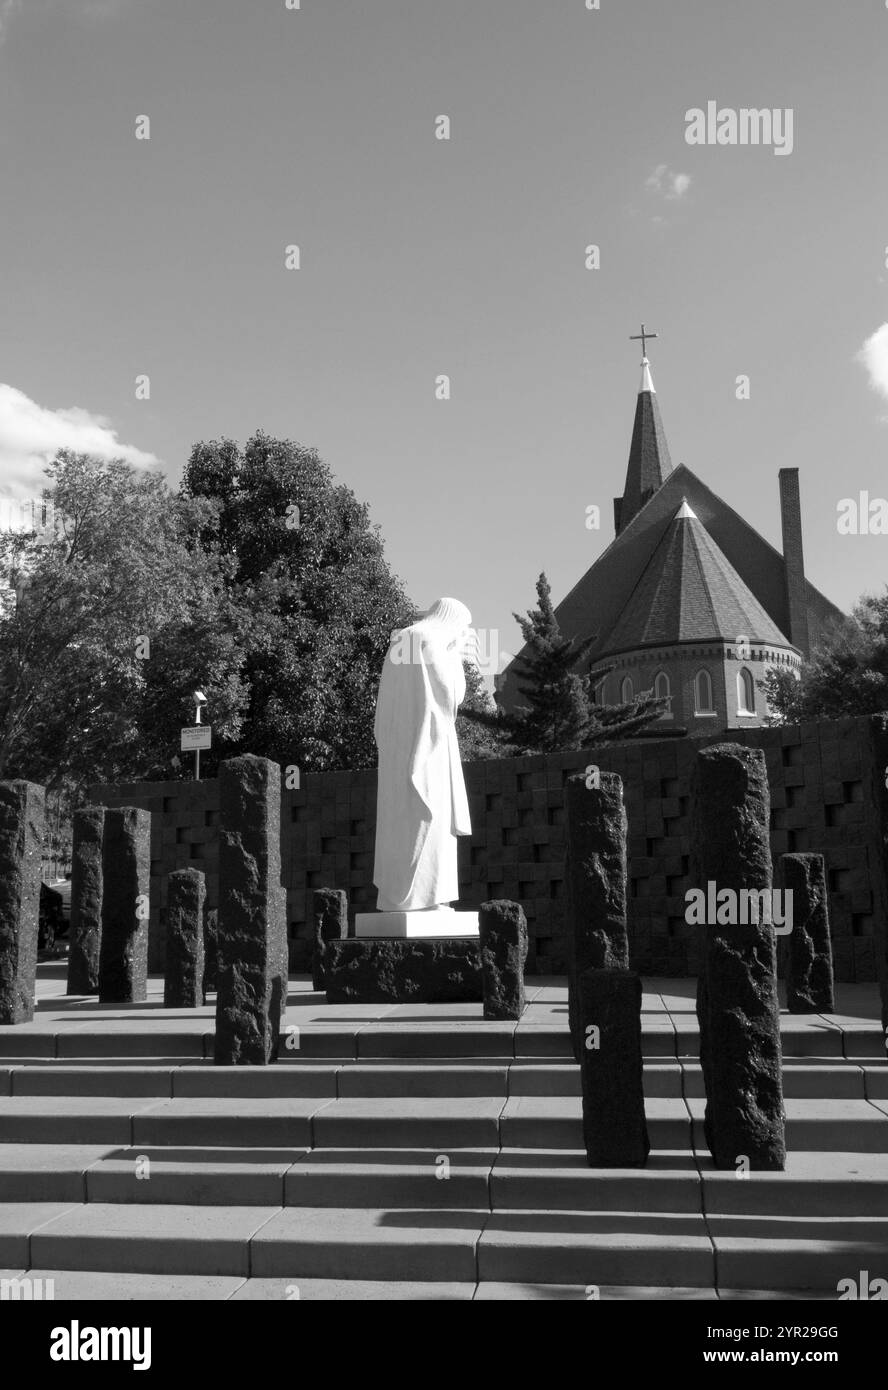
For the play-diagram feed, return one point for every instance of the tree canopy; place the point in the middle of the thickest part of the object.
(306, 566)
(847, 674)
(118, 616)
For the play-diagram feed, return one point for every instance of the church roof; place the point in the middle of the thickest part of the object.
(690, 592)
(649, 461)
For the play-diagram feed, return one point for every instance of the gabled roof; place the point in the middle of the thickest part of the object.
(689, 592)
(649, 461)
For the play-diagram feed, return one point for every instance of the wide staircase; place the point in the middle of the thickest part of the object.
(421, 1153)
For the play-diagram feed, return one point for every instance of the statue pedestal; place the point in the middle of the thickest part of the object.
(434, 922)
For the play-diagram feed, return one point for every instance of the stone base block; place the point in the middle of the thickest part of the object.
(388, 970)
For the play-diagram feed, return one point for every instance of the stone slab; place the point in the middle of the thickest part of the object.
(19, 1221)
(464, 1122)
(84, 1286)
(492, 1292)
(216, 1120)
(194, 1177)
(353, 1290)
(422, 1081)
(137, 1239)
(343, 1243)
(561, 1179)
(815, 1183)
(71, 1119)
(596, 1248)
(52, 1172)
(390, 1178)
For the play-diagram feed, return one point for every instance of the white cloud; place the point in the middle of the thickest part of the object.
(874, 356)
(667, 184)
(31, 436)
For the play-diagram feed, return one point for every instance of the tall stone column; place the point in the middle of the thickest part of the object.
(809, 964)
(126, 887)
(252, 934)
(737, 1005)
(330, 910)
(595, 871)
(22, 815)
(86, 900)
(614, 1125)
(183, 977)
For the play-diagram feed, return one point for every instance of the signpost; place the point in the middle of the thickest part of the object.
(195, 737)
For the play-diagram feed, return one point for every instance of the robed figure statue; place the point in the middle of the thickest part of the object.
(421, 804)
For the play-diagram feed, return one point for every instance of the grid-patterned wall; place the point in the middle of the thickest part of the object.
(827, 794)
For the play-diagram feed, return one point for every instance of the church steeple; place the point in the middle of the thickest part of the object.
(649, 461)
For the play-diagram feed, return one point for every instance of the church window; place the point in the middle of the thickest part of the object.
(627, 690)
(745, 692)
(663, 690)
(703, 693)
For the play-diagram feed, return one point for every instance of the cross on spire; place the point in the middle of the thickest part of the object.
(643, 335)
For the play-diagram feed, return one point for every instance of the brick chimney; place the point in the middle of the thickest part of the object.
(793, 559)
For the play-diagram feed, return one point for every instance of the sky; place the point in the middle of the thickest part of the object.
(419, 257)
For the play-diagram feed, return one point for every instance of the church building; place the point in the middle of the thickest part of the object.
(689, 600)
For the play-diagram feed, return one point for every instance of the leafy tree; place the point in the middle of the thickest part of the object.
(846, 675)
(560, 713)
(307, 568)
(117, 617)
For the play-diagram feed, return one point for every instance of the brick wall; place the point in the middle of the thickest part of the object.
(827, 794)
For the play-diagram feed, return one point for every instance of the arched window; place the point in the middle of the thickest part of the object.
(703, 693)
(663, 690)
(627, 690)
(598, 692)
(745, 692)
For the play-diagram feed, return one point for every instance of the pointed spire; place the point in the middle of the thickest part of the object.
(684, 511)
(649, 461)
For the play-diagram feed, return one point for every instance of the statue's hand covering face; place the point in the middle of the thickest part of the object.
(421, 804)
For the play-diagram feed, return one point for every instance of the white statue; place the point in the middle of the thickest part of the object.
(421, 804)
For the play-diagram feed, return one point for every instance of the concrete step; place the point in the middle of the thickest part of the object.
(814, 1184)
(152, 1036)
(381, 1122)
(417, 1077)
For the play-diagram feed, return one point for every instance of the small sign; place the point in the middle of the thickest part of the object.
(196, 736)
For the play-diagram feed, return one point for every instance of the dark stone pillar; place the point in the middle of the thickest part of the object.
(612, 1069)
(595, 870)
(502, 928)
(252, 931)
(183, 978)
(86, 900)
(737, 1006)
(809, 965)
(22, 814)
(211, 950)
(126, 885)
(330, 911)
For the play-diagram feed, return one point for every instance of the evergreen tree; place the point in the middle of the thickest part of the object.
(560, 713)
